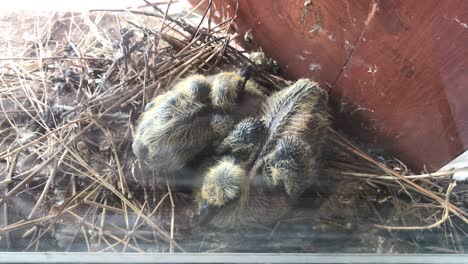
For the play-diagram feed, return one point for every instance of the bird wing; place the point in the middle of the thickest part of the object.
(297, 110)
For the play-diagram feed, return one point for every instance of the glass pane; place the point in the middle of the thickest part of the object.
(225, 126)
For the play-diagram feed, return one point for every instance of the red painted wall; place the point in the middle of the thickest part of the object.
(397, 70)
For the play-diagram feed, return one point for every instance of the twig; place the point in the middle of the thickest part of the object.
(457, 211)
(444, 217)
(46, 189)
(53, 58)
(171, 246)
(438, 174)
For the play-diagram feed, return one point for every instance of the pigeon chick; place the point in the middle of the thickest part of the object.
(268, 162)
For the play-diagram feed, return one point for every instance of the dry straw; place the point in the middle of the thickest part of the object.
(69, 101)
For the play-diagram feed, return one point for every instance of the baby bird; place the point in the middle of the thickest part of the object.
(197, 113)
(242, 143)
(267, 162)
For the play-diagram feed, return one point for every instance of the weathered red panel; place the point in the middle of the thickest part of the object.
(308, 39)
(409, 77)
(396, 69)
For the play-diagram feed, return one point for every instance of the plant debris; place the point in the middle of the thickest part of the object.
(70, 97)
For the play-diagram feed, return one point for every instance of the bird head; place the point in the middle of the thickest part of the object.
(225, 184)
(227, 89)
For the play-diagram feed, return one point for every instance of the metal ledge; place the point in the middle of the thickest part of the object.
(72, 257)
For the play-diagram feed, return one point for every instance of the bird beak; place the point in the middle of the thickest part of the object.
(245, 72)
(206, 213)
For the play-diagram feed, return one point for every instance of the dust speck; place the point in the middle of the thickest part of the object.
(372, 69)
(315, 67)
(316, 28)
(300, 57)
(462, 24)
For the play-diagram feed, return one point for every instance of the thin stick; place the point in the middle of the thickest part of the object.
(171, 245)
(46, 189)
(53, 58)
(103, 221)
(444, 217)
(457, 211)
(438, 174)
(98, 179)
(129, 235)
(11, 170)
(104, 206)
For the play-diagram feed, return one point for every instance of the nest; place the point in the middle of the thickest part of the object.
(70, 97)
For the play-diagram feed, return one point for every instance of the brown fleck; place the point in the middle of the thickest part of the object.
(407, 71)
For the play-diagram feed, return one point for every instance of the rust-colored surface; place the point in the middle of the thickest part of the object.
(409, 76)
(397, 70)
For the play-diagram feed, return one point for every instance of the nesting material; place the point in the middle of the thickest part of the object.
(70, 96)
